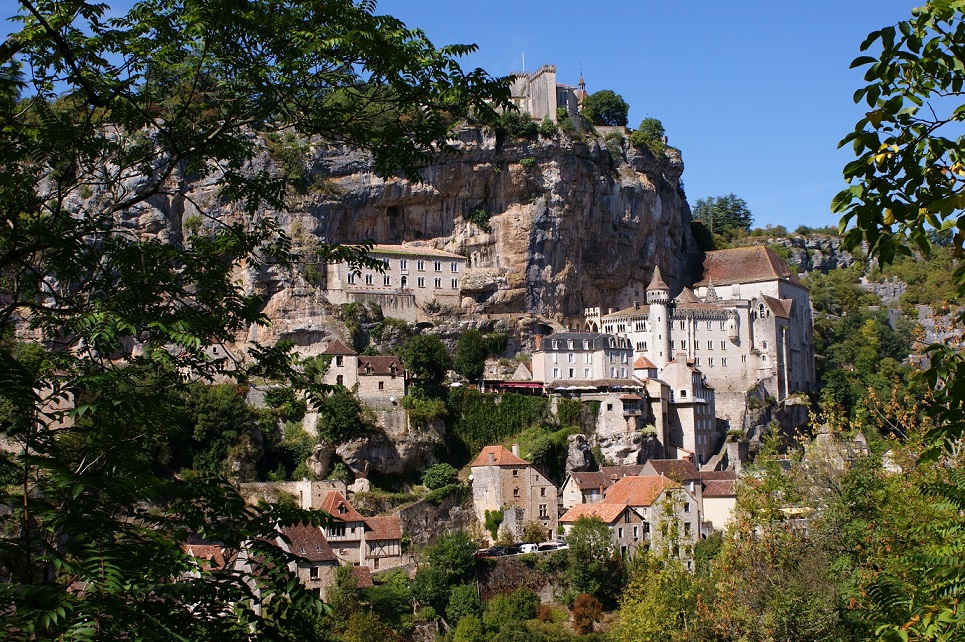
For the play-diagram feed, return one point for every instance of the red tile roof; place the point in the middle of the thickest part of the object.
(720, 488)
(642, 363)
(608, 512)
(679, 470)
(383, 528)
(339, 348)
(501, 457)
(211, 555)
(745, 265)
(414, 250)
(779, 307)
(710, 475)
(637, 491)
(309, 542)
(380, 366)
(340, 508)
(363, 577)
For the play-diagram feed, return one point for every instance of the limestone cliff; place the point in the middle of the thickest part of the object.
(550, 225)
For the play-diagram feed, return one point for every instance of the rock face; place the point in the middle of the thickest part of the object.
(815, 253)
(556, 225)
(393, 448)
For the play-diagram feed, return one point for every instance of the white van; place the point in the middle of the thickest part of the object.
(528, 548)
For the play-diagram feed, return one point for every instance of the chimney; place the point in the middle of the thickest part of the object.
(539, 340)
(609, 310)
(636, 305)
(516, 449)
(492, 458)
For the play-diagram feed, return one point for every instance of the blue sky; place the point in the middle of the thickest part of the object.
(756, 94)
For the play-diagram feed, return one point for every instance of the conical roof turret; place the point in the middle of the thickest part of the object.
(657, 283)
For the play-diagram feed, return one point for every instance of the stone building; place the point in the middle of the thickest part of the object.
(627, 525)
(413, 278)
(372, 542)
(539, 95)
(502, 481)
(316, 567)
(373, 377)
(582, 359)
(587, 487)
(746, 323)
(692, 426)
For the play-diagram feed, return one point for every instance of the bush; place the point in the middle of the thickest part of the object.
(527, 162)
(516, 124)
(439, 475)
(586, 610)
(547, 128)
(480, 219)
(651, 135)
(492, 520)
(340, 416)
(605, 107)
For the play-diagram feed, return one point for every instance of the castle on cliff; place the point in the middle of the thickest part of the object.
(746, 323)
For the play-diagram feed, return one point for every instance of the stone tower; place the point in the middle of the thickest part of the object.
(658, 298)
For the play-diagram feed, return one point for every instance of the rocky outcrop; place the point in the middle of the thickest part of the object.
(815, 253)
(393, 448)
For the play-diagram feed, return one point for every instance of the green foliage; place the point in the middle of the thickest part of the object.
(390, 331)
(480, 218)
(463, 602)
(605, 108)
(547, 449)
(426, 358)
(569, 411)
(451, 561)
(547, 128)
(439, 475)
(492, 520)
(516, 124)
(726, 215)
(594, 564)
(496, 343)
(514, 608)
(477, 420)
(340, 416)
(471, 351)
(527, 162)
(650, 134)
(469, 629)
(391, 601)
(659, 603)
(533, 533)
(562, 115)
(457, 490)
(785, 253)
(290, 152)
(422, 409)
(930, 281)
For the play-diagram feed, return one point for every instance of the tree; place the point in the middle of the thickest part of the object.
(586, 611)
(102, 119)
(463, 602)
(426, 358)
(340, 415)
(447, 563)
(471, 351)
(439, 475)
(650, 134)
(533, 532)
(593, 564)
(606, 108)
(907, 180)
(727, 215)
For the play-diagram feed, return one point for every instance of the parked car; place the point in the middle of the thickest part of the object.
(548, 546)
(528, 548)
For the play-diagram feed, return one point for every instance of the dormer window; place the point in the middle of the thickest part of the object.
(341, 509)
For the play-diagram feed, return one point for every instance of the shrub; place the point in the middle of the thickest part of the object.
(439, 475)
(651, 135)
(527, 162)
(586, 610)
(516, 124)
(547, 128)
(492, 520)
(480, 219)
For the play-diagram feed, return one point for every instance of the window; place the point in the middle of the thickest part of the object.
(438, 266)
(572, 372)
(709, 325)
(542, 491)
(381, 385)
(420, 265)
(516, 492)
(626, 516)
(571, 358)
(686, 528)
(723, 361)
(586, 373)
(339, 380)
(455, 284)
(723, 345)
(683, 394)
(588, 358)
(543, 511)
(682, 325)
(620, 533)
(422, 281)
(404, 281)
(454, 266)
(351, 278)
(515, 472)
(764, 344)
(338, 360)
(403, 264)
(636, 533)
(710, 361)
(686, 507)
(313, 572)
(696, 360)
(438, 283)
(672, 344)
(337, 530)
(369, 279)
(386, 280)
(556, 373)
(721, 325)
(710, 345)
(609, 406)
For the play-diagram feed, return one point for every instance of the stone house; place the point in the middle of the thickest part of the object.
(718, 498)
(413, 277)
(664, 504)
(316, 567)
(588, 487)
(583, 360)
(372, 377)
(373, 542)
(692, 426)
(502, 481)
(747, 322)
(627, 525)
